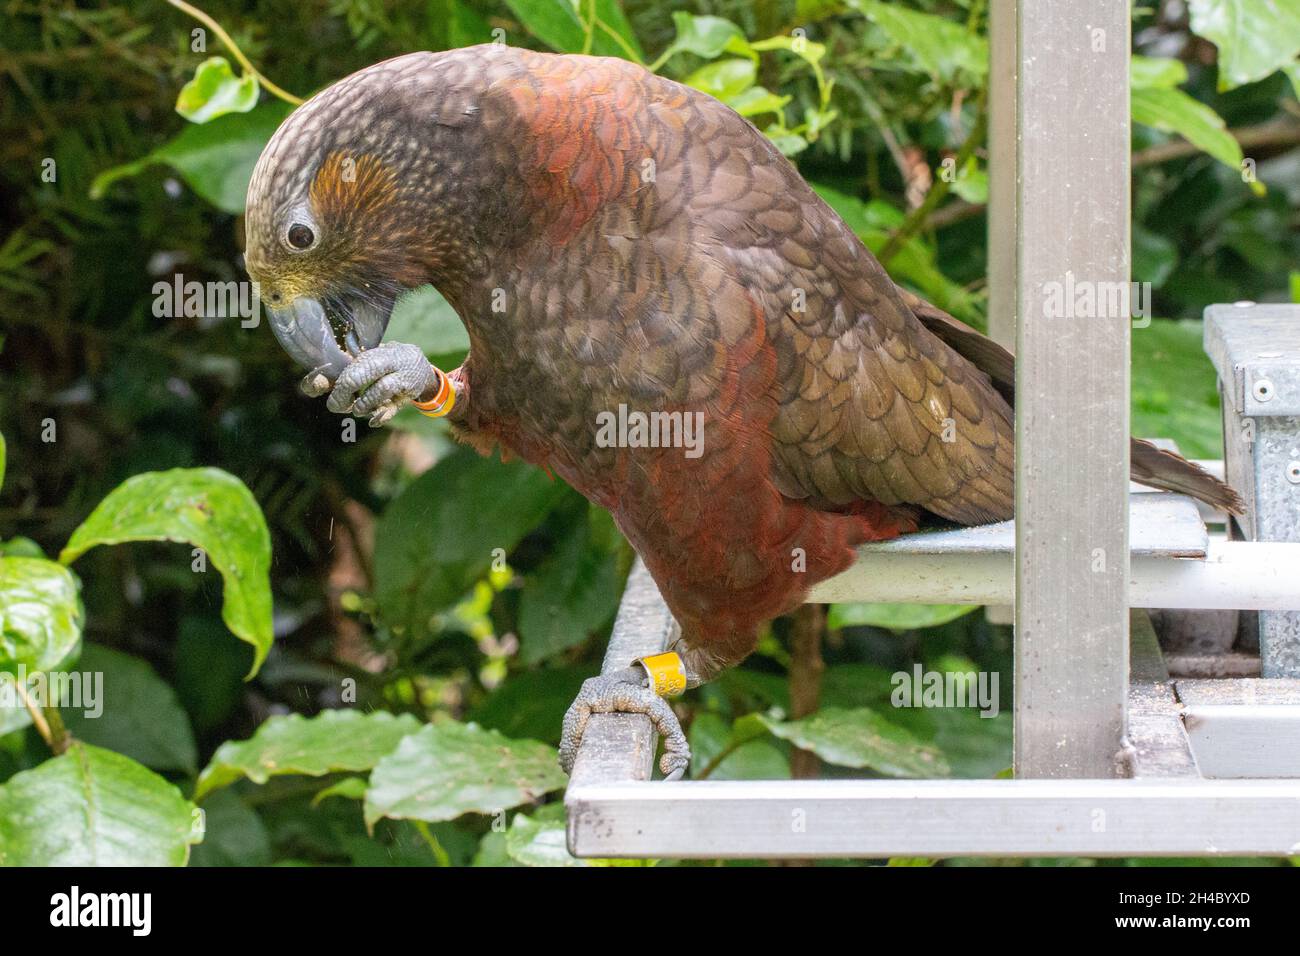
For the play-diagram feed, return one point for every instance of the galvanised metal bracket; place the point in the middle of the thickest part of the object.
(1256, 350)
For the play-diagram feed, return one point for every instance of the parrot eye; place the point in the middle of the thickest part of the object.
(300, 236)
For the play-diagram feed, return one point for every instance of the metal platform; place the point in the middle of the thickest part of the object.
(1181, 736)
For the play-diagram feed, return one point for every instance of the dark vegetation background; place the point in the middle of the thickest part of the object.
(355, 528)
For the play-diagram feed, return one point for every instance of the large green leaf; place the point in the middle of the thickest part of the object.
(562, 25)
(573, 592)
(896, 617)
(1173, 111)
(940, 46)
(724, 79)
(860, 737)
(40, 614)
(210, 509)
(1254, 37)
(439, 536)
(1151, 71)
(92, 807)
(216, 159)
(332, 741)
(449, 769)
(705, 36)
(137, 715)
(216, 91)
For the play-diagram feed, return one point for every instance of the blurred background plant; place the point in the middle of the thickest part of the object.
(430, 607)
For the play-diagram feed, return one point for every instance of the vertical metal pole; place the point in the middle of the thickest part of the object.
(1003, 145)
(1072, 382)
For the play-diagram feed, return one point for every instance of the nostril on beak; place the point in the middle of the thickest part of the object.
(276, 297)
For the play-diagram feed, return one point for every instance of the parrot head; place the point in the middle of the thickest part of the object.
(357, 198)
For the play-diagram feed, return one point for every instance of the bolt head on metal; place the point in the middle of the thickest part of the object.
(1263, 390)
(1293, 472)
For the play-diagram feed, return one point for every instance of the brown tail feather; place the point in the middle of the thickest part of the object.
(1157, 468)
(1149, 465)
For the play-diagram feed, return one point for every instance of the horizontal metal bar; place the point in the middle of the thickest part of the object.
(1245, 740)
(1247, 575)
(935, 818)
(1161, 525)
(1195, 692)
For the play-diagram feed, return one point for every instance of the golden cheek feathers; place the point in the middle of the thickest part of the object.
(348, 186)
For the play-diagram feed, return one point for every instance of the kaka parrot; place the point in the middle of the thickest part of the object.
(613, 240)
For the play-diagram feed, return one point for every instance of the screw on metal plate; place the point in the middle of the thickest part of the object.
(1262, 390)
(1293, 472)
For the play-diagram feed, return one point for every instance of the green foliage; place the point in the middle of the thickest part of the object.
(589, 26)
(1254, 37)
(862, 738)
(436, 612)
(942, 48)
(1157, 103)
(139, 819)
(205, 507)
(216, 91)
(575, 590)
(439, 535)
(448, 769)
(333, 741)
(138, 715)
(216, 159)
(895, 617)
(40, 614)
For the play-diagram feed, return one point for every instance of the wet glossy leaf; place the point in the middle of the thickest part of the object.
(40, 614)
(210, 509)
(93, 807)
(449, 769)
(332, 741)
(862, 738)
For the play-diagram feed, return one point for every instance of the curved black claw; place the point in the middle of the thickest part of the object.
(625, 693)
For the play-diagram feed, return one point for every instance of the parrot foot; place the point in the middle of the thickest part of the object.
(379, 381)
(625, 693)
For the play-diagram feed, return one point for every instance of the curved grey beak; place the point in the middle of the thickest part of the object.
(325, 339)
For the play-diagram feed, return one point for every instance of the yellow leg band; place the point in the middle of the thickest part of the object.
(442, 402)
(666, 672)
